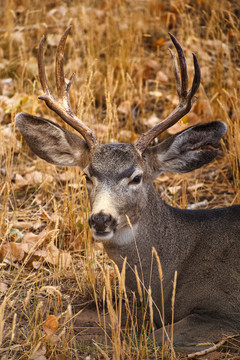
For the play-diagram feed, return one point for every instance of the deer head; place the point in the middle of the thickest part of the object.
(119, 175)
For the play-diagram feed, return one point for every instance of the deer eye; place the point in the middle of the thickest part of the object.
(87, 178)
(136, 180)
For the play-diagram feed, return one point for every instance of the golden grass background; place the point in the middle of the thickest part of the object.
(117, 50)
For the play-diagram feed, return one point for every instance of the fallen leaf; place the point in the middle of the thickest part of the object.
(161, 77)
(60, 357)
(8, 140)
(57, 218)
(163, 178)
(156, 93)
(3, 288)
(18, 251)
(22, 225)
(53, 339)
(53, 39)
(39, 354)
(36, 264)
(55, 257)
(153, 120)
(41, 254)
(195, 187)
(67, 176)
(159, 42)
(147, 70)
(151, 64)
(30, 239)
(20, 182)
(4, 252)
(11, 252)
(7, 86)
(173, 189)
(31, 178)
(34, 178)
(50, 326)
(127, 136)
(125, 107)
(2, 115)
(38, 199)
(11, 263)
(17, 37)
(29, 169)
(52, 290)
(174, 100)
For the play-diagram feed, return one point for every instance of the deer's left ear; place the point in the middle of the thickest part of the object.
(187, 150)
(53, 143)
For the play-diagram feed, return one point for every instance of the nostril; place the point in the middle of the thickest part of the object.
(100, 221)
(107, 219)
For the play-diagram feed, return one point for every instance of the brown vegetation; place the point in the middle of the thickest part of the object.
(51, 271)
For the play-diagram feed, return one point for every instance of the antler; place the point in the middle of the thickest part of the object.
(61, 104)
(185, 96)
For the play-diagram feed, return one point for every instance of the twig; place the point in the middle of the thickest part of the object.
(212, 348)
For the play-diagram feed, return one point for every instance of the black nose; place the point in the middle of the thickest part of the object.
(100, 221)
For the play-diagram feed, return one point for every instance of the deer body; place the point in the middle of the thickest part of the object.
(206, 263)
(203, 246)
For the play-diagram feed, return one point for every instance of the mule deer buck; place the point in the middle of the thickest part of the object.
(203, 246)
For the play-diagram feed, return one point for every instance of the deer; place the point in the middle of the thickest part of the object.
(202, 245)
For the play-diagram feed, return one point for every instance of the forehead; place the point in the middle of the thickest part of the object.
(114, 160)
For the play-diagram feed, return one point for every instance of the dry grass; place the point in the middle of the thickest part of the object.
(111, 49)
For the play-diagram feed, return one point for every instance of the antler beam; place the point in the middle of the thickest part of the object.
(185, 96)
(61, 104)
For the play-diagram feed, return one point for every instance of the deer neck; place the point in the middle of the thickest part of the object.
(141, 232)
(158, 225)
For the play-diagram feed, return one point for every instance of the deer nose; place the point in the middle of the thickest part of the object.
(100, 221)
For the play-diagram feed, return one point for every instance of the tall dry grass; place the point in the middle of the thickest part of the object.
(110, 49)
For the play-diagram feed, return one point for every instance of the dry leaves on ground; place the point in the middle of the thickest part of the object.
(34, 250)
(50, 326)
(39, 354)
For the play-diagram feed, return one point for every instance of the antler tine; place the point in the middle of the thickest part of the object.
(176, 72)
(61, 104)
(41, 67)
(185, 96)
(60, 78)
(197, 77)
(183, 65)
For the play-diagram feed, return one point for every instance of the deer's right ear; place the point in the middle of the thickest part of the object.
(187, 150)
(51, 142)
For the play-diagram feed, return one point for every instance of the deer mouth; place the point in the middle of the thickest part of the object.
(103, 226)
(102, 235)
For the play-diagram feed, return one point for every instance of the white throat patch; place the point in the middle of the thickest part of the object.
(125, 235)
(122, 236)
